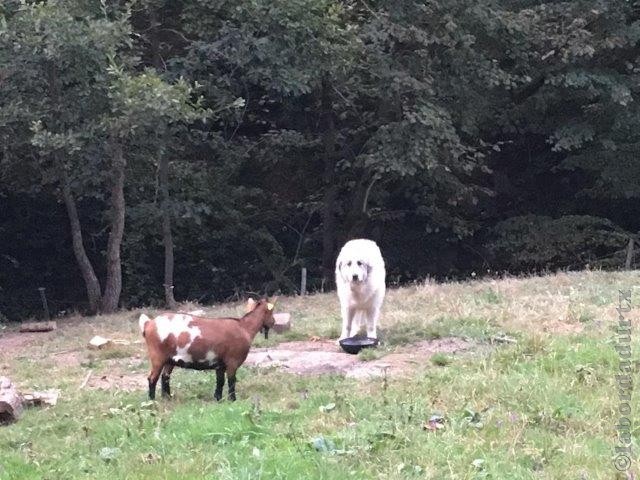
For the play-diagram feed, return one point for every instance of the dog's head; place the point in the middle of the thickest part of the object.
(354, 270)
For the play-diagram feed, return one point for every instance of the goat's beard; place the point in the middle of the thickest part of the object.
(265, 329)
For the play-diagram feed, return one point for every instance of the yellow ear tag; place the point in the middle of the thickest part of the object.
(269, 306)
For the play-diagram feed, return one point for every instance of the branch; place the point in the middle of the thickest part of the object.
(375, 178)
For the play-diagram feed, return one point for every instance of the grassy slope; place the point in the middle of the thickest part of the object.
(543, 408)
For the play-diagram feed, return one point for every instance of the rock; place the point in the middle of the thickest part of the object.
(99, 342)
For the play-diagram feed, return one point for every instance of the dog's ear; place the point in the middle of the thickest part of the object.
(368, 267)
(339, 266)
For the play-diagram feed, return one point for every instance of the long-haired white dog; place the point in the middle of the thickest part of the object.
(360, 279)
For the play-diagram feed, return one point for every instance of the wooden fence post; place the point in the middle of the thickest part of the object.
(627, 263)
(303, 281)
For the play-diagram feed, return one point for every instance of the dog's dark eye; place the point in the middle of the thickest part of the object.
(348, 263)
(359, 263)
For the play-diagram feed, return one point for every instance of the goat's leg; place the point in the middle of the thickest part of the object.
(231, 382)
(232, 387)
(166, 376)
(153, 380)
(219, 384)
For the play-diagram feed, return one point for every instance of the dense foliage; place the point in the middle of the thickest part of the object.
(221, 146)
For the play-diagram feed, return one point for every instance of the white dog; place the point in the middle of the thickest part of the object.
(360, 279)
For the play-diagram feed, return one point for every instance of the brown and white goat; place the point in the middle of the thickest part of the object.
(187, 341)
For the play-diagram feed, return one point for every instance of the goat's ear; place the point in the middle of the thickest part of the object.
(271, 303)
(251, 304)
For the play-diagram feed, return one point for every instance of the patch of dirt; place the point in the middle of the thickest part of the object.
(13, 342)
(301, 358)
(118, 378)
(316, 358)
(561, 327)
(67, 359)
(128, 382)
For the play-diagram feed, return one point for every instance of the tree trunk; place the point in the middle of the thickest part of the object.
(113, 283)
(167, 237)
(330, 186)
(86, 269)
(91, 281)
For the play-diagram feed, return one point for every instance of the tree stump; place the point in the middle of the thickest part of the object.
(10, 402)
(283, 322)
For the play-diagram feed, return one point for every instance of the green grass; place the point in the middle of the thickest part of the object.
(542, 408)
(441, 360)
(368, 354)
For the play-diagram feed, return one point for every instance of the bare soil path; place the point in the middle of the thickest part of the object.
(322, 357)
(301, 358)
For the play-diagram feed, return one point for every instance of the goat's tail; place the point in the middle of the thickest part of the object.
(143, 322)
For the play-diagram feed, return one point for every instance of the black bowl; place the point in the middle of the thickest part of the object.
(354, 344)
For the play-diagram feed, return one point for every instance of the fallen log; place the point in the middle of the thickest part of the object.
(10, 402)
(38, 326)
(36, 399)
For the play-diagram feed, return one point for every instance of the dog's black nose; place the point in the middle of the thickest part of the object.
(355, 278)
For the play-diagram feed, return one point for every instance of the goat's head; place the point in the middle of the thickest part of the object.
(265, 308)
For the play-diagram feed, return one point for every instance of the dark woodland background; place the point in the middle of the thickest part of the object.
(221, 146)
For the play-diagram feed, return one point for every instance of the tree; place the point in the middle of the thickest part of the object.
(63, 58)
(53, 90)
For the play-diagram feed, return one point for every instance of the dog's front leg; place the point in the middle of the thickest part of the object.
(356, 323)
(372, 322)
(347, 320)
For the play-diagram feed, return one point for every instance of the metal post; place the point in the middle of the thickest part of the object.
(44, 303)
(303, 281)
